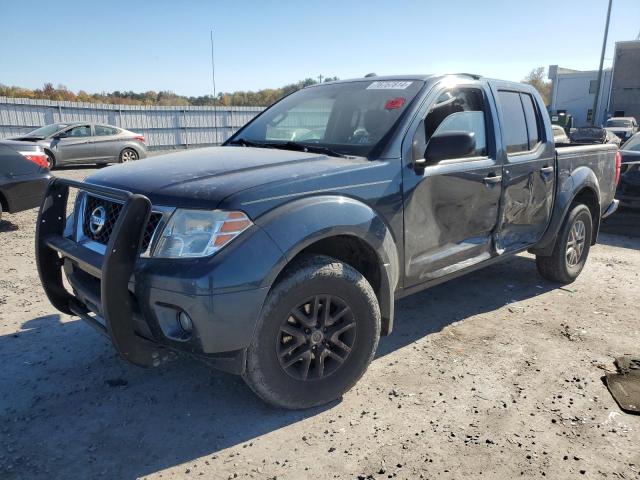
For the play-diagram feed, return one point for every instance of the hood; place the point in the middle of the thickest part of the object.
(203, 177)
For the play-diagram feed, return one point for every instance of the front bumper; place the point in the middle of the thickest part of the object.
(135, 301)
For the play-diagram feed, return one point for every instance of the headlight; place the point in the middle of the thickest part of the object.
(199, 233)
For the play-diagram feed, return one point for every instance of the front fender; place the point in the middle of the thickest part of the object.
(569, 185)
(298, 224)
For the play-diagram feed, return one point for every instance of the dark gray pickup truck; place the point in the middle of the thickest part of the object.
(279, 255)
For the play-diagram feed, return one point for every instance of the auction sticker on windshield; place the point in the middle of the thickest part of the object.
(389, 85)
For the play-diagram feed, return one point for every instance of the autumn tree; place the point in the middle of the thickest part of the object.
(260, 98)
(536, 78)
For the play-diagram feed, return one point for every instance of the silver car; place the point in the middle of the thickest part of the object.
(81, 142)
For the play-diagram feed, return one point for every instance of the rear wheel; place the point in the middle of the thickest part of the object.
(571, 249)
(317, 334)
(128, 155)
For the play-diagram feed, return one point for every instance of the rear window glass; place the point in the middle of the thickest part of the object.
(514, 126)
(620, 123)
(632, 144)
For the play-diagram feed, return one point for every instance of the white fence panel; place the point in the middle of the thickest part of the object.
(163, 127)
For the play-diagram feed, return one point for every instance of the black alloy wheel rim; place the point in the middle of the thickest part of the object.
(316, 337)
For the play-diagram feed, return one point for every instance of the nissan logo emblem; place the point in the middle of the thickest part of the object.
(97, 220)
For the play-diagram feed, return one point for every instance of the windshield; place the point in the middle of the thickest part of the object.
(46, 130)
(618, 123)
(632, 144)
(342, 118)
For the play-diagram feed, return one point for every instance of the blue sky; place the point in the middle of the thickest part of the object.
(163, 45)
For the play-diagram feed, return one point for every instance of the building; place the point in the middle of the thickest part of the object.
(573, 91)
(625, 87)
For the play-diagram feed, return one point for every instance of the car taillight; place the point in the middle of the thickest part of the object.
(39, 158)
(140, 138)
(618, 166)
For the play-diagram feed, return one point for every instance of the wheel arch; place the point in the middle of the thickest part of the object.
(588, 196)
(342, 228)
(50, 154)
(583, 186)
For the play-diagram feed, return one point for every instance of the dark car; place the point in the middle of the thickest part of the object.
(280, 259)
(629, 189)
(23, 176)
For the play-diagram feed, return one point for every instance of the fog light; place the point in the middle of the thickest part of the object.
(185, 322)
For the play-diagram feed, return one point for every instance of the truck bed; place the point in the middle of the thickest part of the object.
(599, 159)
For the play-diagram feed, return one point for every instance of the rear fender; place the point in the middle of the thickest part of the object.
(569, 186)
(299, 224)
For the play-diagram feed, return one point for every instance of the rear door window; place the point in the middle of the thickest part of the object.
(102, 130)
(514, 125)
(533, 120)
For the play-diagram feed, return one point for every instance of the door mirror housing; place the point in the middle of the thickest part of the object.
(448, 145)
(61, 135)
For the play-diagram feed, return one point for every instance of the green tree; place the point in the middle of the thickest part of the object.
(536, 78)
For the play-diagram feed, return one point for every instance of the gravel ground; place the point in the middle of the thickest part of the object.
(494, 375)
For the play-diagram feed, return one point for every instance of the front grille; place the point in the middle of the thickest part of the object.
(152, 225)
(95, 206)
(105, 213)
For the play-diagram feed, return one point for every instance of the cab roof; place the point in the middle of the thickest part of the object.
(415, 77)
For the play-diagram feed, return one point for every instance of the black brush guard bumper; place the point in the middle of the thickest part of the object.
(114, 269)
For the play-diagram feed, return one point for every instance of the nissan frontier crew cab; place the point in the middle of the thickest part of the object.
(279, 255)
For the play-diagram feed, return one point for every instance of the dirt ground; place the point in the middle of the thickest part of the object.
(495, 375)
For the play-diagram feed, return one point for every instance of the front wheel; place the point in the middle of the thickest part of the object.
(571, 249)
(128, 155)
(51, 160)
(318, 332)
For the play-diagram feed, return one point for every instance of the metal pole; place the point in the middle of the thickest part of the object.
(604, 47)
(215, 110)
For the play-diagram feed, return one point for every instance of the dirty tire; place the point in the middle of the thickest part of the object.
(557, 267)
(312, 277)
(128, 155)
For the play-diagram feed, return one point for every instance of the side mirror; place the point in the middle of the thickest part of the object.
(448, 145)
(61, 135)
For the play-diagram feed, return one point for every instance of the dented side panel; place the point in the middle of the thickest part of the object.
(528, 187)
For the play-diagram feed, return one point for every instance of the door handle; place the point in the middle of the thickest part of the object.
(546, 169)
(492, 179)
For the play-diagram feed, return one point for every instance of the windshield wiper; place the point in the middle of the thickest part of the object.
(290, 145)
(303, 147)
(249, 143)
